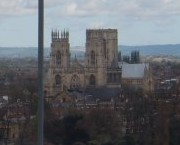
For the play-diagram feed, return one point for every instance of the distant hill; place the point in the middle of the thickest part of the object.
(145, 50)
(162, 50)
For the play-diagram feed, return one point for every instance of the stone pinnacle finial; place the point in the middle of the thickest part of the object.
(61, 34)
(64, 34)
(58, 34)
(52, 33)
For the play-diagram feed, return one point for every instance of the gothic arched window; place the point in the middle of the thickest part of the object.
(92, 80)
(93, 58)
(58, 79)
(104, 48)
(75, 82)
(58, 57)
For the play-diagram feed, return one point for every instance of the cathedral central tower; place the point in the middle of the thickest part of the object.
(104, 43)
(101, 52)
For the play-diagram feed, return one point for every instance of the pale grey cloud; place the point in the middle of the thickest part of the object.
(137, 9)
(23, 7)
(86, 8)
(15, 7)
(133, 9)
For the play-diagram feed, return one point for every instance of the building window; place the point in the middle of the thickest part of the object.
(92, 80)
(64, 100)
(104, 48)
(109, 78)
(93, 58)
(58, 79)
(58, 58)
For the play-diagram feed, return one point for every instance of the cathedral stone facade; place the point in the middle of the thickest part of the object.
(100, 67)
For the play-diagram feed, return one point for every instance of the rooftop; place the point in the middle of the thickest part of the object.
(133, 70)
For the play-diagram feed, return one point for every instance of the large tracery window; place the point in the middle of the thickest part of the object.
(93, 60)
(75, 82)
(58, 58)
(58, 79)
(92, 80)
(114, 78)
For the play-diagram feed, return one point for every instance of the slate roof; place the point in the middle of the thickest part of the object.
(104, 94)
(133, 70)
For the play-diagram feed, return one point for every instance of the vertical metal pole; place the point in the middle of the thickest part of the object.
(40, 71)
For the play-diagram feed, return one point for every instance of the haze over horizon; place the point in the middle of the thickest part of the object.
(139, 22)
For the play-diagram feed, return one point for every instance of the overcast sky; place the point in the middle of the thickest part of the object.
(139, 22)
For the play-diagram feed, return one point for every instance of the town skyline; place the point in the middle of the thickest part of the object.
(138, 22)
